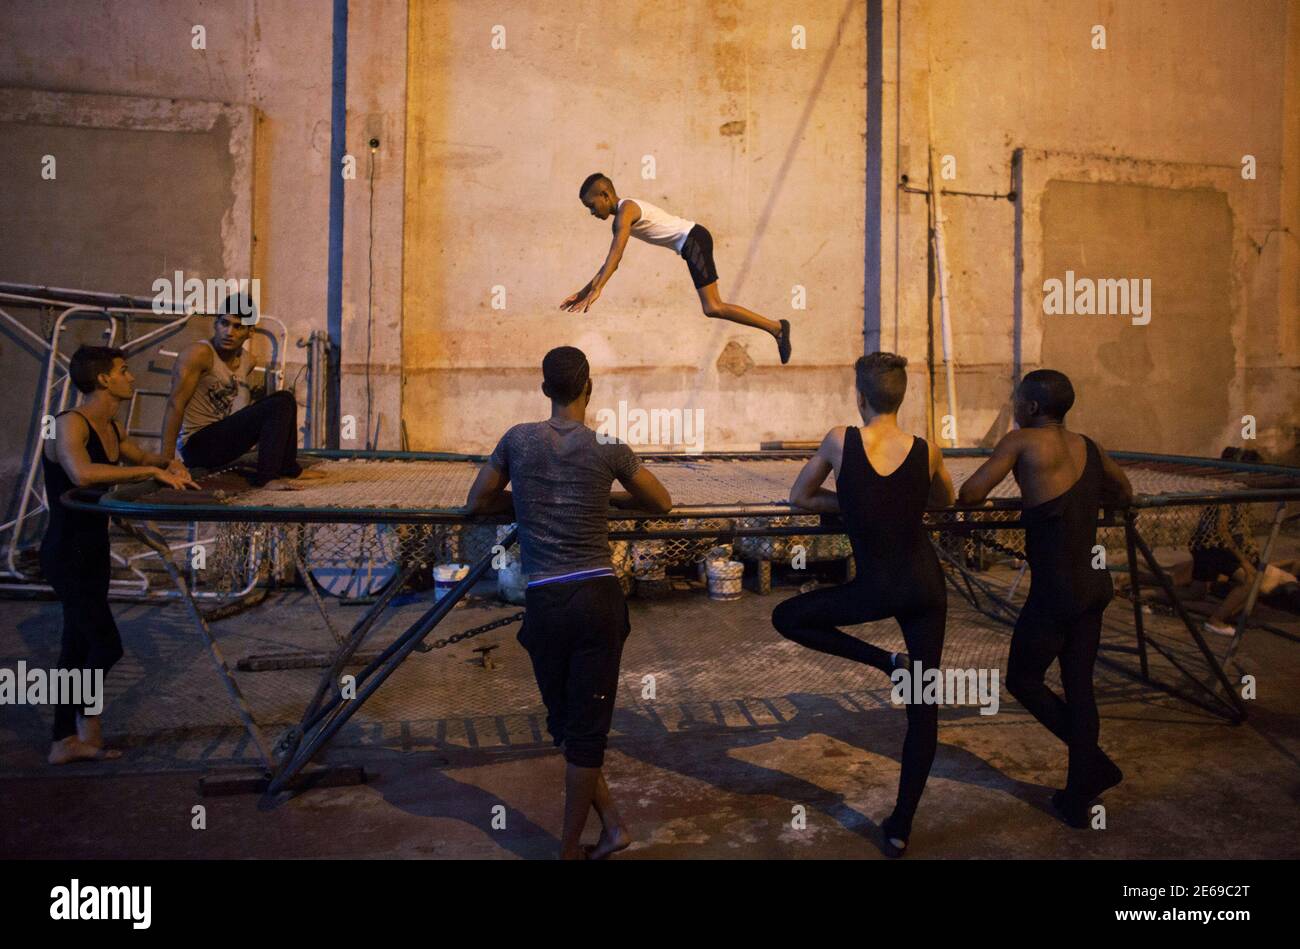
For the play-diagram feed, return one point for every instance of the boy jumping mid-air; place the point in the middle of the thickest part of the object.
(634, 217)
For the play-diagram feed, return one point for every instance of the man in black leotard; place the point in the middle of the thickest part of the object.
(86, 451)
(884, 480)
(1064, 479)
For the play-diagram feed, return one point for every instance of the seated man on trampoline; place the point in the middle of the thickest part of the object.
(636, 217)
(209, 420)
(1222, 546)
(884, 481)
(1064, 480)
(576, 618)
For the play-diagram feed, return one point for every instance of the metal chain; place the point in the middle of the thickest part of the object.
(476, 631)
(988, 541)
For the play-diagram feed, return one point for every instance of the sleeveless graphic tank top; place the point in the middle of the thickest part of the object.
(220, 392)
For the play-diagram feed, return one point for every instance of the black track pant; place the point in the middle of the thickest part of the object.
(270, 423)
(811, 619)
(90, 637)
(1039, 638)
(574, 634)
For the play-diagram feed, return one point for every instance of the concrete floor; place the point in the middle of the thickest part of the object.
(744, 729)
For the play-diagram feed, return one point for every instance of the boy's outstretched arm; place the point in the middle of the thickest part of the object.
(627, 215)
(990, 474)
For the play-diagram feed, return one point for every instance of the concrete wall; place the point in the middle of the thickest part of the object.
(111, 191)
(1135, 380)
(1181, 93)
(762, 143)
(273, 57)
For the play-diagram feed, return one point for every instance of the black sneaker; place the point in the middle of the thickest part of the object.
(783, 342)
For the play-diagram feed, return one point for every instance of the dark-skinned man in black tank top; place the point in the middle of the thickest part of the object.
(88, 451)
(884, 481)
(1065, 478)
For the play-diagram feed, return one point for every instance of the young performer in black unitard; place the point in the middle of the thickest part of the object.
(1064, 479)
(87, 450)
(884, 480)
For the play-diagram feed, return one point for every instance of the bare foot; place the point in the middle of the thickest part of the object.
(311, 474)
(282, 484)
(609, 843)
(72, 749)
(90, 731)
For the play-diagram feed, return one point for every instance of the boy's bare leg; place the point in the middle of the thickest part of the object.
(614, 835)
(1220, 620)
(90, 731)
(579, 796)
(716, 308)
(1232, 604)
(86, 745)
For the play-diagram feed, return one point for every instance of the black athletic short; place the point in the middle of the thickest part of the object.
(1209, 562)
(574, 633)
(698, 253)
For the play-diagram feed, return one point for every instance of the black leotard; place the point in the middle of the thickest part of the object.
(1059, 537)
(883, 518)
(1061, 619)
(898, 575)
(75, 559)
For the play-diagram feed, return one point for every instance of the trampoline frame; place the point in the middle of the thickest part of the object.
(327, 712)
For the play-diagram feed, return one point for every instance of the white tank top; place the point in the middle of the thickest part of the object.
(657, 226)
(220, 392)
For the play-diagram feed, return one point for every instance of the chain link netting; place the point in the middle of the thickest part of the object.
(358, 559)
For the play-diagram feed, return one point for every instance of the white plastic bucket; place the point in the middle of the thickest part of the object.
(446, 576)
(725, 579)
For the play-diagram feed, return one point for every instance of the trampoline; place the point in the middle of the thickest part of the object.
(385, 516)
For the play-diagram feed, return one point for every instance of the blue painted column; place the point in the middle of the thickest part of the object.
(871, 316)
(338, 147)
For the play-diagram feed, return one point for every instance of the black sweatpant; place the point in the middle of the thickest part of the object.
(270, 423)
(80, 577)
(811, 619)
(574, 633)
(1039, 637)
